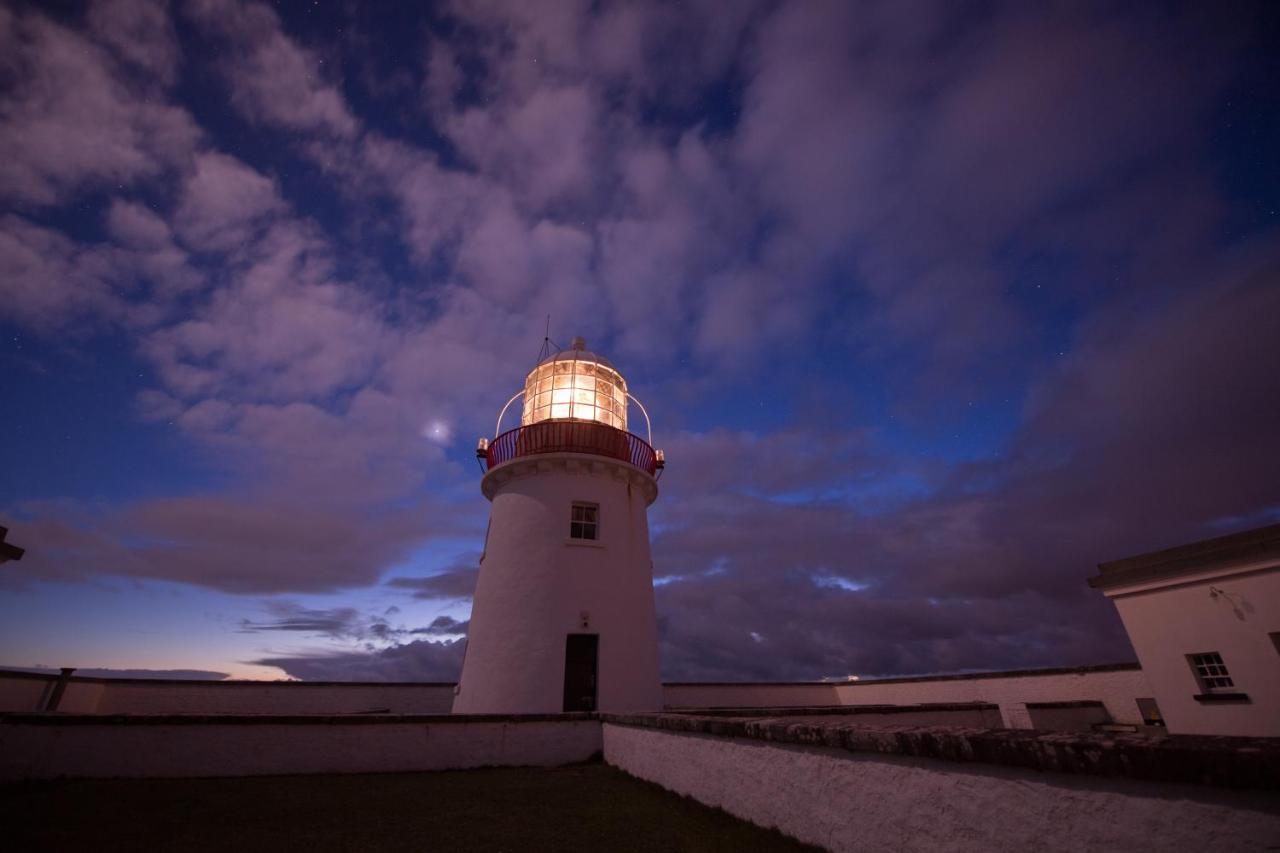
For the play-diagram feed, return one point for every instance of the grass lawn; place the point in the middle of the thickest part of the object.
(580, 808)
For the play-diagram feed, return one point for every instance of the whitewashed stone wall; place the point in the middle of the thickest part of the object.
(1117, 687)
(29, 692)
(866, 802)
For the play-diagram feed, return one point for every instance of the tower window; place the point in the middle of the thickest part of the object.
(1211, 672)
(584, 522)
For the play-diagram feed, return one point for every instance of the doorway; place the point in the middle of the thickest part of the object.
(580, 656)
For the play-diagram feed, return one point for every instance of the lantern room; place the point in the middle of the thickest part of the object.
(575, 384)
(575, 401)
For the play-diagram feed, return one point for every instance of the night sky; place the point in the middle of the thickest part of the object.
(934, 307)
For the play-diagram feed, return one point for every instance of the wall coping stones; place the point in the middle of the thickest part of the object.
(1221, 761)
(55, 718)
(210, 682)
(831, 710)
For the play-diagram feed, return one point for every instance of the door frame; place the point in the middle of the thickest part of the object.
(595, 671)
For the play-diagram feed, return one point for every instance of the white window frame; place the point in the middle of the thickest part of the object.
(1211, 672)
(575, 522)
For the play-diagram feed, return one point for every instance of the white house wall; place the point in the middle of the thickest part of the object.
(1166, 622)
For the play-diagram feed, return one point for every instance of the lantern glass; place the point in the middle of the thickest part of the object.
(580, 389)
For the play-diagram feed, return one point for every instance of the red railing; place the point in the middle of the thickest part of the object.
(572, 437)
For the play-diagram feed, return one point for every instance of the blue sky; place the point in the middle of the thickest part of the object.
(933, 307)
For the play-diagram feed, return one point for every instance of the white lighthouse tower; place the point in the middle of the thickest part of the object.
(563, 618)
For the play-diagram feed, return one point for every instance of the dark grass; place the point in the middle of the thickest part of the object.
(580, 808)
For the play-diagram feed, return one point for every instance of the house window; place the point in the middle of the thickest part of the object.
(1211, 672)
(584, 522)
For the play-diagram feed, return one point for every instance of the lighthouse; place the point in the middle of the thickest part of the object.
(563, 617)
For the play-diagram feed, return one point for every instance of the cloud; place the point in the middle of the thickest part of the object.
(273, 80)
(338, 623)
(70, 120)
(1155, 428)
(345, 624)
(444, 625)
(457, 583)
(238, 544)
(421, 660)
(50, 280)
(224, 203)
(53, 283)
(141, 32)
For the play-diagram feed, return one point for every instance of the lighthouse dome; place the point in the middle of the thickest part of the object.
(575, 384)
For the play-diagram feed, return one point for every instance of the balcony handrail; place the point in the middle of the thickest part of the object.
(572, 436)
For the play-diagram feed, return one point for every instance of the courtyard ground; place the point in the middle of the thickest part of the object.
(589, 807)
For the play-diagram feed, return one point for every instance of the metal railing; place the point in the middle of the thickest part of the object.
(557, 436)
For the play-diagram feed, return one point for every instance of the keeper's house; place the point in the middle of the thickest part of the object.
(1204, 620)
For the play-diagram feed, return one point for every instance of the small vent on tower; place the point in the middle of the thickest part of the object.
(579, 343)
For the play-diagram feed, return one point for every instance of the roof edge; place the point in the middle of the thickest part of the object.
(1258, 544)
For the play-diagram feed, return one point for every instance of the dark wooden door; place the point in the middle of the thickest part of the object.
(580, 653)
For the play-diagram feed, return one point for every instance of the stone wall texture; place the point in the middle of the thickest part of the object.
(869, 801)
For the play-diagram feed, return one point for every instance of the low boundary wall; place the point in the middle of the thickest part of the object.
(853, 787)
(974, 714)
(1068, 698)
(49, 746)
(23, 691)
(1115, 686)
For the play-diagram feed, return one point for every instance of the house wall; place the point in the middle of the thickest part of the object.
(1168, 621)
(866, 801)
(1067, 716)
(1116, 686)
(47, 747)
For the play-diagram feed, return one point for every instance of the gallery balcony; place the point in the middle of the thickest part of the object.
(573, 436)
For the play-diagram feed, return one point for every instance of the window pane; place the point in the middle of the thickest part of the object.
(582, 521)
